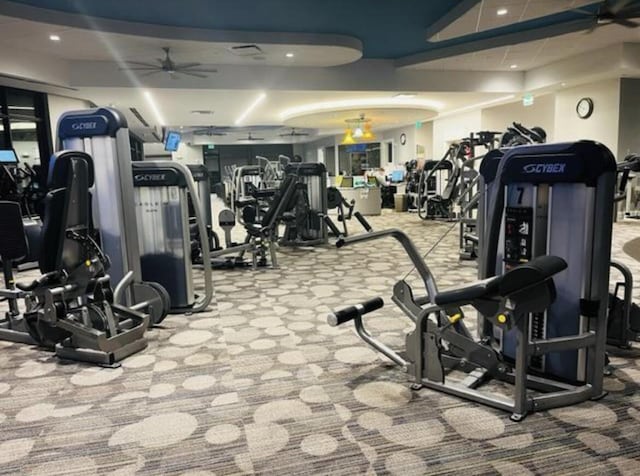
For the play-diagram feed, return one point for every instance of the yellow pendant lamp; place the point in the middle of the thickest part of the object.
(368, 135)
(348, 137)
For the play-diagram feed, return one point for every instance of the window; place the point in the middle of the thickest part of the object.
(25, 127)
(137, 147)
(356, 159)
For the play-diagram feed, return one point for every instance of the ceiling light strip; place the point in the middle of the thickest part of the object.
(476, 106)
(357, 103)
(261, 97)
(154, 108)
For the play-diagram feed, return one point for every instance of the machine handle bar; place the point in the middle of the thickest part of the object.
(363, 221)
(349, 313)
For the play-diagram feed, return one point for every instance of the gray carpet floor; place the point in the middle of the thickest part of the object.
(260, 384)
(632, 248)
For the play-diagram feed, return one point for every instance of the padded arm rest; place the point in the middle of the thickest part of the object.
(44, 280)
(243, 202)
(521, 277)
(465, 294)
(264, 193)
(528, 274)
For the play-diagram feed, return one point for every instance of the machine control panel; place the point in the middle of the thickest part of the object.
(518, 233)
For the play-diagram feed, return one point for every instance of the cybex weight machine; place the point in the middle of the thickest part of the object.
(543, 296)
(103, 133)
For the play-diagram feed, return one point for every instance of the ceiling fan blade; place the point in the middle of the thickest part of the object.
(627, 23)
(187, 65)
(141, 63)
(152, 72)
(593, 27)
(616, 6)
(189, 73)
(140, 68)
(582, 10)
(198, 70)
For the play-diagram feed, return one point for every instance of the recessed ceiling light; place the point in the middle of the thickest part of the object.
(513, 66)
(502, 11)
(289, 55)
(54, 37)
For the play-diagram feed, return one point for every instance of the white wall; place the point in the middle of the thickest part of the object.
(603, 124)
(453, 128)
(61, 104)
(401, 153)
(424, 137)
(309, 150)
(155, 151)
(188, 154)
(541, 114)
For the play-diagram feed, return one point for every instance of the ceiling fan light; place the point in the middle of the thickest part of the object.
(348, 137)
(358, 133)
(368, 134)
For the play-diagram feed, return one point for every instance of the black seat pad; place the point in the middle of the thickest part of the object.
(245, 201)
(13, 241)
(528, 274)
(521, 277)
(54, 206)
(469, 292)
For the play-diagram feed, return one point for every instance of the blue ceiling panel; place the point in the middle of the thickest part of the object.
(387, 28)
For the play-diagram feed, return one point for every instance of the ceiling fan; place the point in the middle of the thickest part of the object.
(294, 133)
(167, 65)
(618, 12)
(209, 131)
(250, 138)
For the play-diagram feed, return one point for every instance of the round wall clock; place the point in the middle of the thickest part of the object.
(403, 138)
(584, 108)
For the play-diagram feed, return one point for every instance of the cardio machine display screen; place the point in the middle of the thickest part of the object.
(172, 141)
(8, 157)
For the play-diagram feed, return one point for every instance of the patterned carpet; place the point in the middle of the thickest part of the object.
(632, 248)
(260, 384)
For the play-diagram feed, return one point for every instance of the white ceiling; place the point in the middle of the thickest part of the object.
(85, 45)
(536, 53)
(484, 15)
(99, 52)
(380, 118)
(175, 105)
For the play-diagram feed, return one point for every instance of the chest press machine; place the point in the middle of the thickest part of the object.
(543, 293)
(136, 212)
(70, 308)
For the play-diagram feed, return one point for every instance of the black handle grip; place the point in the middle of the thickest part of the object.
(348, 313)
(329, 222)
(363, 221)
